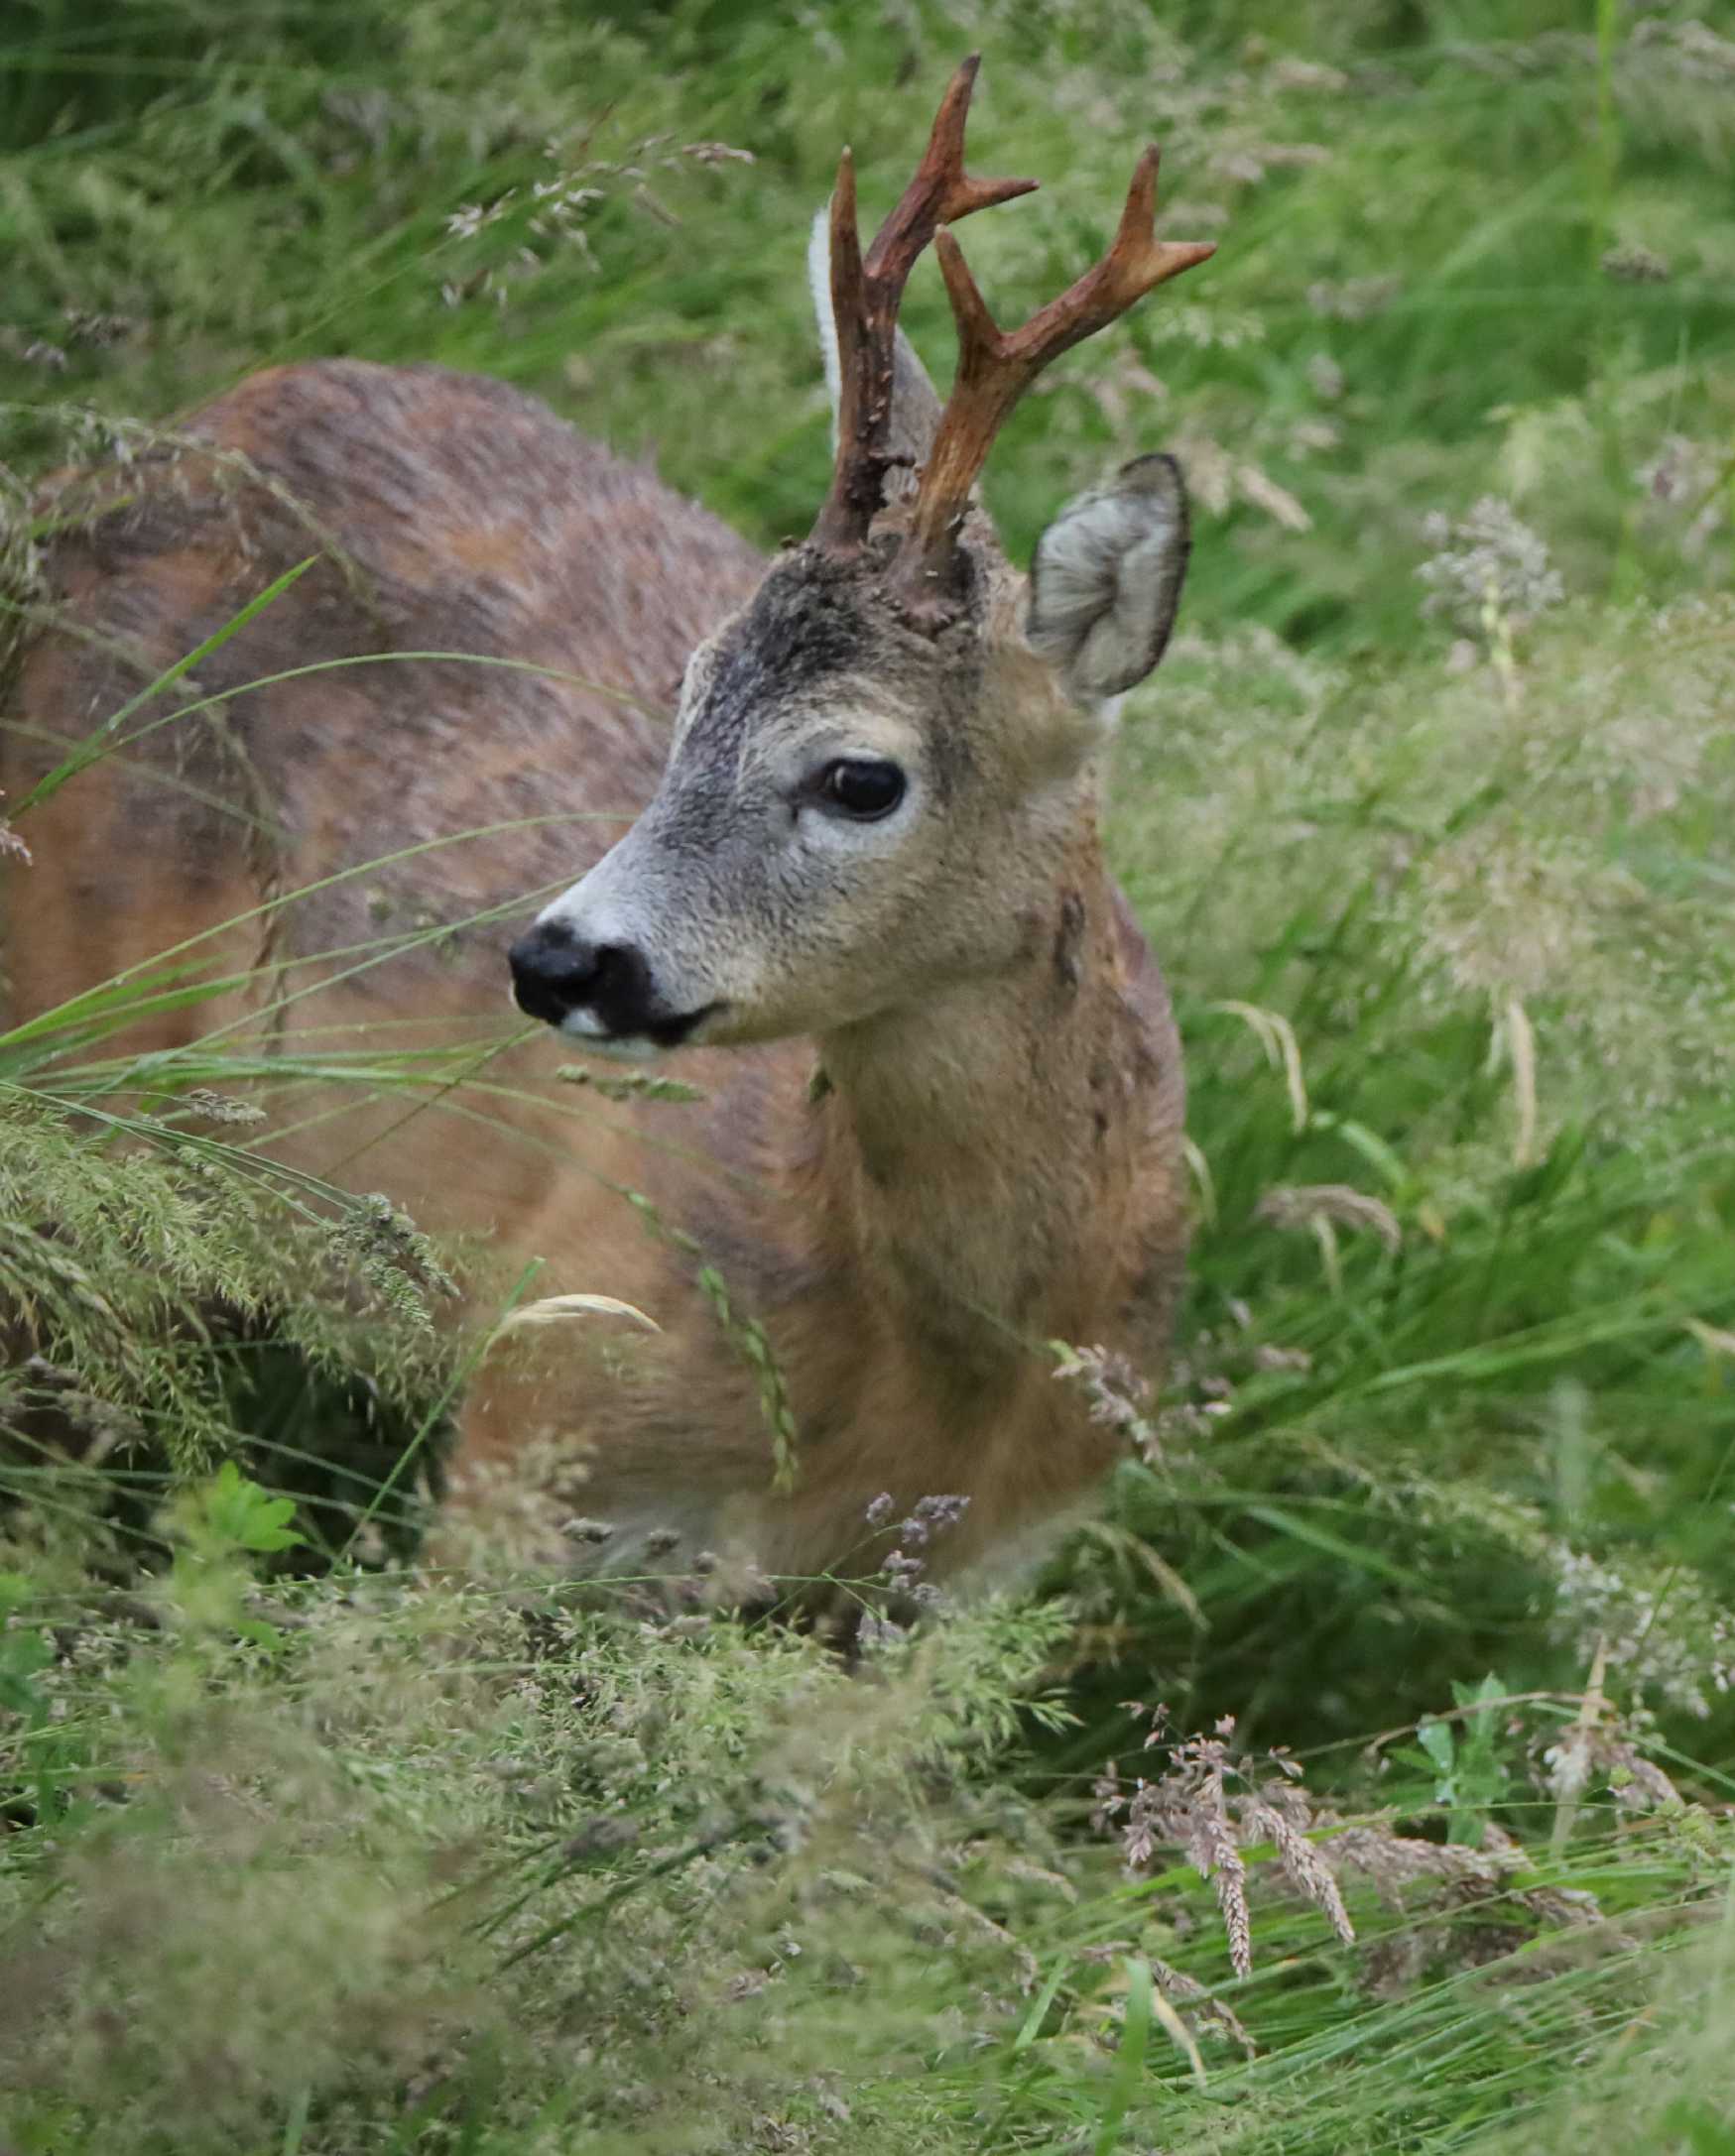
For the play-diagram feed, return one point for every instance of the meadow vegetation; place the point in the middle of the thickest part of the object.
(1359, 1777)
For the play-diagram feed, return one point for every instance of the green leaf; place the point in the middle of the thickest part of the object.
(1438, 1740)
(240, 1514)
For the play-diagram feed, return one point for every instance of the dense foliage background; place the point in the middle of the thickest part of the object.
(1431, 814)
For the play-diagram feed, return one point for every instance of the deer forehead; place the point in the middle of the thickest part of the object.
(821, 661)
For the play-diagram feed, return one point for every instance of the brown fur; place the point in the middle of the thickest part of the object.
(987, 1164)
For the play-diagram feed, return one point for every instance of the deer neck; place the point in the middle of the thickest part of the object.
(974, 1149)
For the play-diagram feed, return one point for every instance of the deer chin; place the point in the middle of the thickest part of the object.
(655, 1039)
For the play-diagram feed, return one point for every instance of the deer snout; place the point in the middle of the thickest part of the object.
(555, 972)
(601, 991)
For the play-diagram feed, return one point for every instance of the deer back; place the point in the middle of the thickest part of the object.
(442, 513)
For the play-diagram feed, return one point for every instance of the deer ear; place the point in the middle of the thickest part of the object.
(915, 401)
(1106, 579)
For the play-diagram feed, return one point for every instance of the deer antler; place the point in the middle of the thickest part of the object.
(995, 368)
(865, 296)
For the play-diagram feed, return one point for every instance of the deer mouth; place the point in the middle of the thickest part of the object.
(651, 1037)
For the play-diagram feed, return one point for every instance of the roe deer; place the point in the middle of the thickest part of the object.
(940, 1091)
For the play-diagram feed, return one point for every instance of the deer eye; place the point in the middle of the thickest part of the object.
(863, 786)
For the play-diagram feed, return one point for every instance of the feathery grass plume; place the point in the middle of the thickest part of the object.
(902, 1570)
(1184, 1990)
(558, 210)
(1119, 1396)
(1666, 1635)
(628, 1085)
(1597, 1741)
(392, 1254)
(1210, 1803)
(162, 1301)
(1489, 559)
(202, 1104)
(1295, 1206)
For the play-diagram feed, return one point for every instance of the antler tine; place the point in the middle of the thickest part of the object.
(995, 367)
(866, 294)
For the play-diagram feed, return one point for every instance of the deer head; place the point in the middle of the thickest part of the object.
(879, 766)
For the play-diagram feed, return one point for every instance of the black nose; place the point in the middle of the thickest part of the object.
(555, 973)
